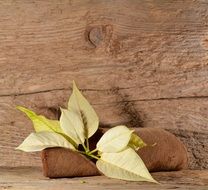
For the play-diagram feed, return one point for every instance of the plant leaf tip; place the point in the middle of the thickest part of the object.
(19, 108)
(74, 84)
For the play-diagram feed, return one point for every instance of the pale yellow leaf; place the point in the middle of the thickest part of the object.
(72, 125)
(42, 140)
(136, 142)
(115, 139)
(41, 123)
(78, 103)
(126, 165)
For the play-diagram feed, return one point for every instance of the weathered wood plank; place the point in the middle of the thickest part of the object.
(183, 113)
(187, 118)
(31, 178)
(157, 47)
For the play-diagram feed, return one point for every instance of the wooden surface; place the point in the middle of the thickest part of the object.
(140, 63)
(31, 178)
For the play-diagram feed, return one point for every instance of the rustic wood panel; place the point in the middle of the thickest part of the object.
(139, 63)
(187, 118)
(158, 47)
(31, 178)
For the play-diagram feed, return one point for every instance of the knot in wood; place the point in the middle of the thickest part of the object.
(96, 35)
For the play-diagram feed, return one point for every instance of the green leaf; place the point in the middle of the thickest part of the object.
(136, 142)
(78, 103)
(41, 123)
(126, 165)
(41, 140)
(72, 125)
(115, 139)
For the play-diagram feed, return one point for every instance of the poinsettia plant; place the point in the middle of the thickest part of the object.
(115, 152)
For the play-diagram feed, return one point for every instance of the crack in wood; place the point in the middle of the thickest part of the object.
(124, 100)
(155, 99)
(60, 89)
(31, 93)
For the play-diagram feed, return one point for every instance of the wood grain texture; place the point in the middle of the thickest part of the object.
(159, 47)
(32, 178)
(186, 118)
(144, 64)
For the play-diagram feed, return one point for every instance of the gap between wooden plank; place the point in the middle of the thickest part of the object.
(98, 90)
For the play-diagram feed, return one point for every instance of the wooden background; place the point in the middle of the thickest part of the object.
(140, 63)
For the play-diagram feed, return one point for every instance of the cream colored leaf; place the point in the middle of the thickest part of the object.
(39, 141)
(78, 103)
(126, 165)
(41, 123)
(115, 139)
(72, 125)
(136, 142)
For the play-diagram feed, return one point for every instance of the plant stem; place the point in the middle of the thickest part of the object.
(87, 142)
(93, 156)
(87, 154)
(85, 148)
(95, 150)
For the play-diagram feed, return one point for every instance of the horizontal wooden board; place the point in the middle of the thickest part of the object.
(158, 48)
(183, 113)
(187, 118)
(31, 178)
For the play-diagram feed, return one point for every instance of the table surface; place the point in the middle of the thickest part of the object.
(32, 178)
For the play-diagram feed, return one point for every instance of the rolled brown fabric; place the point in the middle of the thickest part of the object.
(167, 154)
(61, 162)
